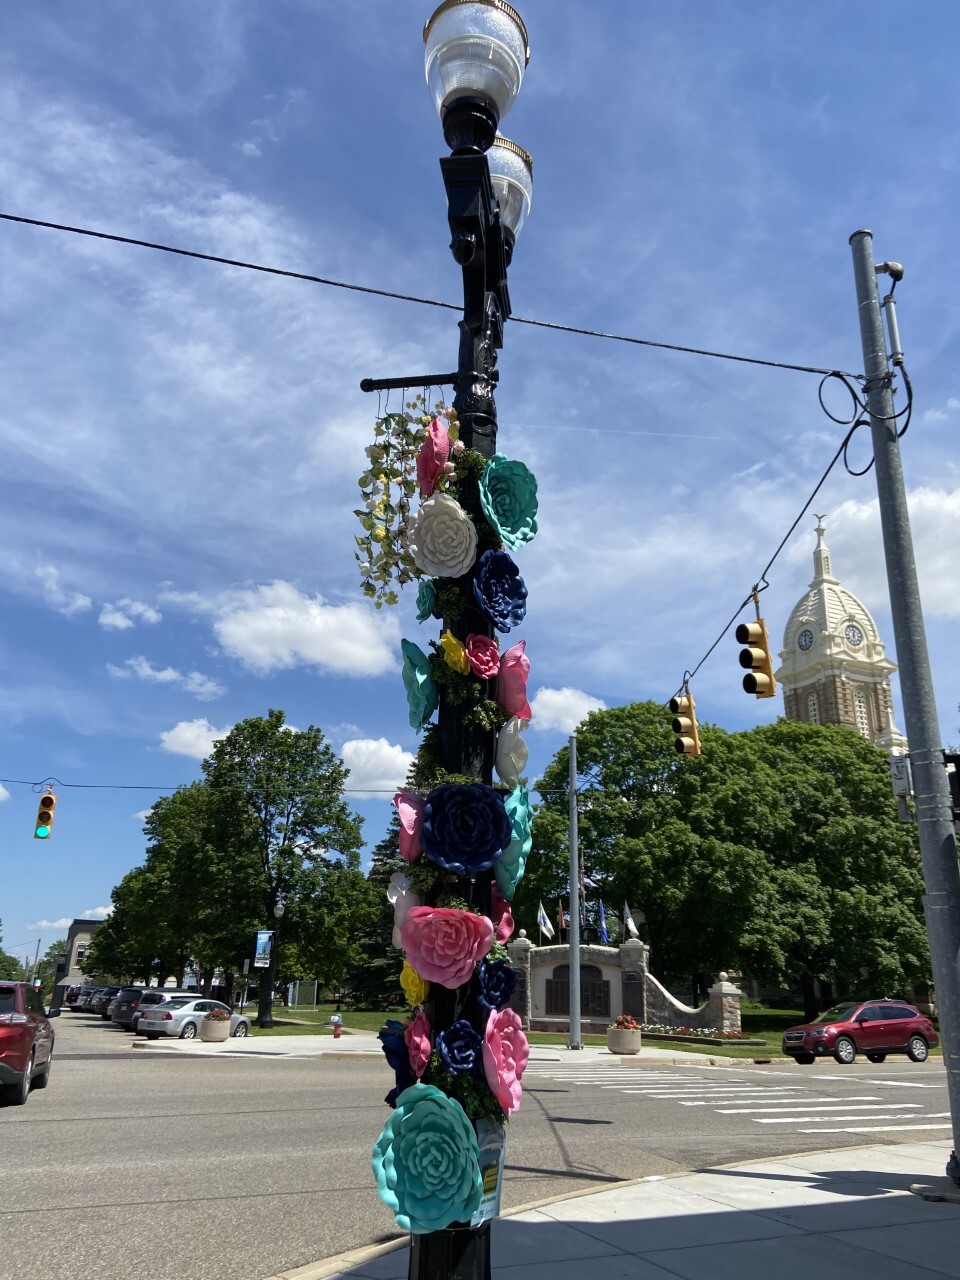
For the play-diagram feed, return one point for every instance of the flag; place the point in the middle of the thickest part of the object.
(563, 918)
(628, 924)
(544, 923)
(603, 924)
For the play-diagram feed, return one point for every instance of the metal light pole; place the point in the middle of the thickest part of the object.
(938, 844)
(573, 928)
(265, 1003)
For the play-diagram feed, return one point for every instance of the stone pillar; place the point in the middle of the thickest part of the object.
(633, 967)
(723, 1001)
(519, 951)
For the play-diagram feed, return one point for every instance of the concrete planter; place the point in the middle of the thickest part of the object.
(623, 1041)
(214, 1032)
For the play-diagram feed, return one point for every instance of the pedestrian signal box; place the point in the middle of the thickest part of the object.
(44, 823)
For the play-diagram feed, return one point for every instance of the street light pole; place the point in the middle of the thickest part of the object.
(265, 1003)
(936, 832)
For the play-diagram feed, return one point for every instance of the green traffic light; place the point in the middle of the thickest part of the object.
(41, 833)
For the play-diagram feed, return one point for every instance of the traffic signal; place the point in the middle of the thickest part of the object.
(759, 679)
(685, 723)
(44, 822)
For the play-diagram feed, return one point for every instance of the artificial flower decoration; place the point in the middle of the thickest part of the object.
(391, 1037)
(459, 1048)
(508, 495)
(444, 944)
(500, 590)
(409, 809)
(512, 752)
(454, 654)
(442, 538)
(509, 869)
(465, 827)
(512, 684)
(423, 696)
(427, 1162)
(496, 982)
(416, 1036)
(483, 656)
(404, 900)
(500, 914)
(415, 988)
(505, 1054)
(433, 456)
(426, 600)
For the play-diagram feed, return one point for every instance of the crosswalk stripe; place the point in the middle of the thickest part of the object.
(828, 1113)
(881, 1128)
(793, 1103)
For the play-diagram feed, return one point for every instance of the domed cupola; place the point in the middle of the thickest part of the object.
(833, 664)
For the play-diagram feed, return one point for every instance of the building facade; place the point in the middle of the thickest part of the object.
(69, 973)
(833, 665)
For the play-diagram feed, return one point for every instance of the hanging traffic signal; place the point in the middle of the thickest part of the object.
(685, 723)
(759, 679)
(44, 822)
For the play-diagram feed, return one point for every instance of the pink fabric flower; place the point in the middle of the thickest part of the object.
(432, 457)
(505, 1054)
(444, 945)
(501, 914)
(409, 809)
(483, 656)
(512, 685)
(417, 1037)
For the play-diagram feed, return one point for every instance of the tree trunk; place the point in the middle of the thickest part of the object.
(811, 1006)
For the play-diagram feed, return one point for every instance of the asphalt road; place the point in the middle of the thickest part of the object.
(132, 1165)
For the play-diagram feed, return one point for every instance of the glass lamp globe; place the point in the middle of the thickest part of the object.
(511, 172)
(476, 51)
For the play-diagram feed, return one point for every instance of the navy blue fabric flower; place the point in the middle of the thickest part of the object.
(459, 1049)
(497, 982)
(500, 590)
(465, 827)
(398, 1057)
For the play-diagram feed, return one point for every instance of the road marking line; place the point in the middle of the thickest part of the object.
(795, 1103)
(880, 1128)
(828, 1113)
(905, 1084)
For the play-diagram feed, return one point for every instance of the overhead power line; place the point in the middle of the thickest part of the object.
(425, 302)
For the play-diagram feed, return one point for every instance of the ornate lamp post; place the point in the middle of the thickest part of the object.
(265, 1010)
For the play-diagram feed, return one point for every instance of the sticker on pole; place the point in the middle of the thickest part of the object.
(492, 1140)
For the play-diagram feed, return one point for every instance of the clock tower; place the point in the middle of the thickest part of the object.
(833, 669)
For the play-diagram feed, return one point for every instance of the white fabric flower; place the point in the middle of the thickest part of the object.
(404, 899)
(512, 752)
(442, 538)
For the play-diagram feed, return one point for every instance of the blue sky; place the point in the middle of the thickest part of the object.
(181, 441)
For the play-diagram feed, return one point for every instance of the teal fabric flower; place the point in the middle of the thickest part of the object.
(426, 600)
(423, 696)
(509, 869)
(508, 495)
(427, 1162)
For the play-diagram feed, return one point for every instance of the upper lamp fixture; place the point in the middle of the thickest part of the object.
(278, 911)
(511, 172)
(476, 53)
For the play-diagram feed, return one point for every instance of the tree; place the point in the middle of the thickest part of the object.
(374, 977)
(49, 961)
(778, 851)
(279, 823)
(10, 967)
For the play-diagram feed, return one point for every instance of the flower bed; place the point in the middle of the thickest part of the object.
(697, 1035)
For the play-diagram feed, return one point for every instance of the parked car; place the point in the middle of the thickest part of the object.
(871, 1027)
(26, 1041)
(154, 996)
(82, 1004)
(71, 997)
(182, 1017)
(102, 1000)
(126, 1007)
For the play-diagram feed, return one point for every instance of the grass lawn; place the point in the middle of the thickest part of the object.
(317, 1021)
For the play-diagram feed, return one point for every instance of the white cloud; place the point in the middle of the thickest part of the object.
(204, 688)
(96, 913)
(69, 603)
(126, 613)
(376, 765)
(562, 709)
(248, 149)
(275, 626)
(4, 793)
(141, 815)
(63, 923)
(194, 738)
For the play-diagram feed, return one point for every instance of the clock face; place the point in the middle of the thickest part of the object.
(854, 635)
(805, 639)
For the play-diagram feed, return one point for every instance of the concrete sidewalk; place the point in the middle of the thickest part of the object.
(840, 1215)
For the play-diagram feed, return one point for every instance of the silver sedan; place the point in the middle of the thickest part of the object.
(182, 1018)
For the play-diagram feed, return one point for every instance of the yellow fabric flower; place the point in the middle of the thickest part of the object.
(415, 988)
(454, 653)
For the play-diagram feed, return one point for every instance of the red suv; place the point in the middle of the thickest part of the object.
(26, 1041)
(872, 1027)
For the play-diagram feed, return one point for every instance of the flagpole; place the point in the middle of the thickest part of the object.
(573, 928)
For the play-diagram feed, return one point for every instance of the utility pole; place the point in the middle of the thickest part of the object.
(937, 836)
(573, 928)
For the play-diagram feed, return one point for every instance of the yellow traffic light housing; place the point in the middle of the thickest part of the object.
(44, 823)
(759, 679)
(685, 723)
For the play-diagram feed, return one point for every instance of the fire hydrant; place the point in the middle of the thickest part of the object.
(337, 1022)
